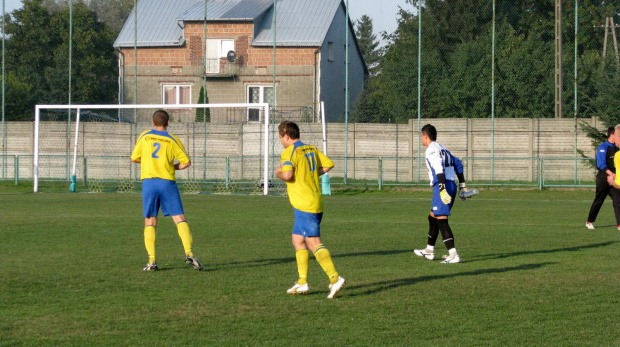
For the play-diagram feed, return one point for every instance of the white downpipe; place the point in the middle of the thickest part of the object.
(324, 126)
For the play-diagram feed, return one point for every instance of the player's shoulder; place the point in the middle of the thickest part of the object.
(174, 137)
(301, 148)
(288, 149)
(606, 145)
(433, 148)
(142, 134)
(167, 136)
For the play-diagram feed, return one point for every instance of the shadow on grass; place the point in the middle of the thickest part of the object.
(607, 226)
(358, 254)
(377, 287)
(540, 251)
(253, 263)
(277, 261)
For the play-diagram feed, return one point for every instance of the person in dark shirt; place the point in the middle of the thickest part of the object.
(605, 165)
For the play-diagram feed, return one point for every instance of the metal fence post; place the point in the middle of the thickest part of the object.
(541, 173)
(16, 168)
(85, 163)
(228, 173)
(380, 161)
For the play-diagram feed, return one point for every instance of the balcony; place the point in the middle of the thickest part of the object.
(217, 68)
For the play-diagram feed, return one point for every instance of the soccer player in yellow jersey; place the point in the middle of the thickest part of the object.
(156, 151)
(300, 166)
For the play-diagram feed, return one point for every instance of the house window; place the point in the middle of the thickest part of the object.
(176, 94)
(217, 49)
(259, 94)
(330, 51)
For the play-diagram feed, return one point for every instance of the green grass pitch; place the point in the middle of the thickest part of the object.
(531, 273)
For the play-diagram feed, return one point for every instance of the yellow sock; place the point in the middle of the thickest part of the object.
(325, 260)
(186, 237)
(149, 241)
(303, 256)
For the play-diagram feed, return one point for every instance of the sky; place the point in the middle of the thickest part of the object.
(382, 12)
(10, 5)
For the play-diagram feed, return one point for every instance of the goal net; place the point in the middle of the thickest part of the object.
(234, 148)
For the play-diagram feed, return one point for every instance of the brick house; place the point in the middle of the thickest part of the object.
(236, 61)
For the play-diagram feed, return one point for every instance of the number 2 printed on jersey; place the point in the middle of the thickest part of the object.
(156, 148)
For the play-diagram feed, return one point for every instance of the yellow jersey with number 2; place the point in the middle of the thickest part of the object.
(304, 189)
(157, 150)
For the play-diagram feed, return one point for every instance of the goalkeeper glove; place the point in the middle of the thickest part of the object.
(463, 190)
(443, 194)
(466, 193)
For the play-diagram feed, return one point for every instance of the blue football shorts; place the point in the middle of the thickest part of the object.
(307, 224)
(160, 193)
(439, 208)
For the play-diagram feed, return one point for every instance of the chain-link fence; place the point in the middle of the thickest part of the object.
(344, 60)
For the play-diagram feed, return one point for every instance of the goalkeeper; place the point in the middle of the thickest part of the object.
(443, 168)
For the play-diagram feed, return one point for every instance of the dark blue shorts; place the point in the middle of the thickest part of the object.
(307, 224)
(156, 193)
(439, 208)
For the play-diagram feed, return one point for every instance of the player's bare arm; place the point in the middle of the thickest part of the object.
(180, 166)
(138, 160)
(285, 176)
(324, 170)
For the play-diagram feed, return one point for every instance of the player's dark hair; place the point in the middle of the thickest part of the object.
(429, 131)
(611, 131)
(289, 128)
(161, 118)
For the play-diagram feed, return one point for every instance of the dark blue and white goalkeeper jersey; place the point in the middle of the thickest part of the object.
(439, 160)
(605, 156)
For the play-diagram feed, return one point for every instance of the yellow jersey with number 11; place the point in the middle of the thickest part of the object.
(304, 190)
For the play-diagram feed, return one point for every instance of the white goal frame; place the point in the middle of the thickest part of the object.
(37, 115)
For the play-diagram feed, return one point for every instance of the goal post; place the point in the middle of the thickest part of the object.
(64, 151)
(72, 187)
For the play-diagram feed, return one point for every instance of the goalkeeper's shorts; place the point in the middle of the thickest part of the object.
(438, 207)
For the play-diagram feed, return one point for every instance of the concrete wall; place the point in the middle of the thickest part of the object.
(394, 149)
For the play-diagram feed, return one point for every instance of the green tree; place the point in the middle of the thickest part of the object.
(38, 58)
(605, 105)
(113, 13)
(364, 107)
(456, 63)
(388, 96)
(599, 76)
(203, 114)
(368, 43)
(94, 68)
(524, 76)
(29, 51)
(19, 98)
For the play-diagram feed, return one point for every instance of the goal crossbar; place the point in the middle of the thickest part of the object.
(38, 108)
